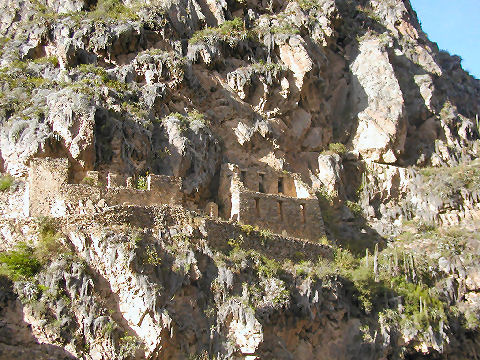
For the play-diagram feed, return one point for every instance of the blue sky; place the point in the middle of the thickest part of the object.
(455, 26)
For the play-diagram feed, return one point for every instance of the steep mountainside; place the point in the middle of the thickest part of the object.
(340, 106)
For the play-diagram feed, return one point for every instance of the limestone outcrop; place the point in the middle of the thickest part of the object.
(216, 179)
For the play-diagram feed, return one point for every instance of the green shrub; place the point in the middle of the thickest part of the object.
(192, 119)
(323, 268)
(196, 116)
(448, 181)
(344, 260)
(355, 208)
(235, 243)
(202, 356)
(88, 181)
(329, 213)
(237, 255)
(101, 77)
(20, 74)
(20, 262)
(284, 28)
(136, 237)
(108, 329)
(231, 32)
(304, 268)
(3, 42)
(265, 234)
(114, 9)
(52, 60)
(421, 305)
(323, 240)
(307, 4)
(142, 183)
(25, 261)
(152, 257)
(247, 228)
(128, 346)
(335, 148)
(276, 24)
(268, 267)
(472, 320)
(263, 67)
(49, 245)
(46, 226)
(6, 182)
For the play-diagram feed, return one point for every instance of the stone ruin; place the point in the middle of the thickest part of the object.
(271, 200)
(51, 194)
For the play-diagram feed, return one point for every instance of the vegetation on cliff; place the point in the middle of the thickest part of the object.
(350, 96)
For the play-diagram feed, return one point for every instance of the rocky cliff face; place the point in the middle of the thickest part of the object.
(351, 95)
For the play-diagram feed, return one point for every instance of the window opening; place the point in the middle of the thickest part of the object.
(280, 185)
(261, 187)
(302, 214)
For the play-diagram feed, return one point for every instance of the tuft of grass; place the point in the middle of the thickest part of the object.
(335, 148)
(141, 183)
(114, 9)
(355, 208)
(128, 346)
(101, 77)
(193, 119)
(49, 245)
(6, 182)
(52, 60)
(231, 32)
(449, 181)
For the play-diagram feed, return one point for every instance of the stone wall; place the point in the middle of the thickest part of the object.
(216, 232)
(46, 178)
(299, 218)
(281, 212)
(51, 194)
(277, 246)
(268, 182)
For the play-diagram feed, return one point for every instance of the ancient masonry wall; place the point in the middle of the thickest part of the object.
(299, 218)
(270, 200)
(215, 231)
(46, 179)
(51, 194)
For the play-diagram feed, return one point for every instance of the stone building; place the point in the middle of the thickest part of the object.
(51, 194)
(271, 200)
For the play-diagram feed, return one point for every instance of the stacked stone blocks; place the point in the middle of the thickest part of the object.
(271, 200)
(51, 194)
